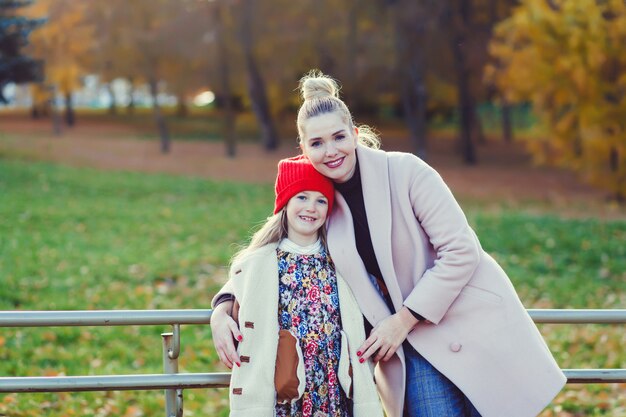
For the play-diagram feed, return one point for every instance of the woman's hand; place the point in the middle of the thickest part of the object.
(387, 336)
(225, 330)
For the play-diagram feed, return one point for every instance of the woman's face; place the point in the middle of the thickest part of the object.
(330, 144)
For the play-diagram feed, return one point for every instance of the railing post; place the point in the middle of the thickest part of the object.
(171, 350)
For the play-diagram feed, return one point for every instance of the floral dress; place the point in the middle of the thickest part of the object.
(309, 308)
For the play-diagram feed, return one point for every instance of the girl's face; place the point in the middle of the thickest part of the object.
(330, 145)
(306, 213)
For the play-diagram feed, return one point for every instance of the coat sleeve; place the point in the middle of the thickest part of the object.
(236, 283)
(225, 293)
(456, 248)
(227, 290)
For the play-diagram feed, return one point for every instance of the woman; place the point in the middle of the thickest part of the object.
(451, 335)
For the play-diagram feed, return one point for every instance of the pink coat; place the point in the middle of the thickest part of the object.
(481, 338)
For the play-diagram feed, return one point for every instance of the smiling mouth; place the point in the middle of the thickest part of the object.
(336, 163)
(308, 219)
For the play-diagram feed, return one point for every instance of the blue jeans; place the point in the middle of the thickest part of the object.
(429, 393)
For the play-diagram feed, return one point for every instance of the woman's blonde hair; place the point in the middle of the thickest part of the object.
(320, 95)
(273, 231)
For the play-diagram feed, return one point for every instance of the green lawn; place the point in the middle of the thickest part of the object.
(87, 239)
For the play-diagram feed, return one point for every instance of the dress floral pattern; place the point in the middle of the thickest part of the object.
(309, 308)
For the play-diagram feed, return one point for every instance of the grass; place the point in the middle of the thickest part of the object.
(86, 239)
(83, 239)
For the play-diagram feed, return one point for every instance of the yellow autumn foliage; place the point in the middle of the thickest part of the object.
(64, 42)
(567, 59)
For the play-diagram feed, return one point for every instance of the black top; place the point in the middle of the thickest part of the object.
(352, 192)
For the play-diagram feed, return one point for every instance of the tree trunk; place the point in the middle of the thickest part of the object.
(414, 101)
(466, 105)
(325, 60)
(224, 79)
(3, 99)
(158, 117)
(54, 110)
(113, 103)
(182, 110)
(410, 68)
(478, 133)
(130, 109)
(507, 123)
(351, 75)
(466, 101)
(70, 115)
(256, 85)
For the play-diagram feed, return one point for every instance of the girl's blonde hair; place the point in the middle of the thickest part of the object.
(320, 95)
(273, 231)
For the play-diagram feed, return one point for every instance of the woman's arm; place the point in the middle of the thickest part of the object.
(225, 330)
(457, 249)
(387, 336)
(457, 255)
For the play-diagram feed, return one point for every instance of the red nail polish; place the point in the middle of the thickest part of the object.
(238, 365)
(359, 353)
(361, 360)
(240, 338)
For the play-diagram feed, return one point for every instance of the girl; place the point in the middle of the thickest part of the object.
(300, 325)
(449, 333)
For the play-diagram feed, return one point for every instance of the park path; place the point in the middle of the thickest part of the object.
(504, 175)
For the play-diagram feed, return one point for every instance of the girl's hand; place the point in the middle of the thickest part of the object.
(225, 330)
(387, 336)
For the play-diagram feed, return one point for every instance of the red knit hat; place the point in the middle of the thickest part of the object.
(297, 174)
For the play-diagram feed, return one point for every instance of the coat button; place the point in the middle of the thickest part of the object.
(455, 347)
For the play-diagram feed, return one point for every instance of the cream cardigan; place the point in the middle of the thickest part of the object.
(254, 282)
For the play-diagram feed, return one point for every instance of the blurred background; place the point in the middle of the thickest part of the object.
(549, 73)
(139, 142)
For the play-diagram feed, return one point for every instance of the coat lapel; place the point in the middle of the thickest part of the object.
(377, 198)
(342, 248)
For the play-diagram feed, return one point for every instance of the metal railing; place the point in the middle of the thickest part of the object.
(174, 383)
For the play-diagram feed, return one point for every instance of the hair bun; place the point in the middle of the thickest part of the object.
(317, 85)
